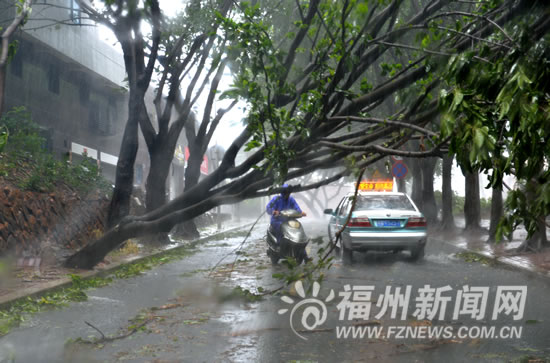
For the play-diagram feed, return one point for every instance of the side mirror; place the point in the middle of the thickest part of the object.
(328, 211)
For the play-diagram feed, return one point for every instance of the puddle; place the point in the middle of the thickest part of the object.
(105, 300)
(441, 258)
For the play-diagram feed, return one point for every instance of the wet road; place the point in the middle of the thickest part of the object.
(189, 314)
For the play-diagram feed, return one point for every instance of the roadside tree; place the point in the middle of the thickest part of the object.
(496, 104)
(23, 9)
(310, 104)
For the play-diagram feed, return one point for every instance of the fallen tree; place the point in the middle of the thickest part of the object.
(311, 110)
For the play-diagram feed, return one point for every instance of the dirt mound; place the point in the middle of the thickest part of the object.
(31, 222)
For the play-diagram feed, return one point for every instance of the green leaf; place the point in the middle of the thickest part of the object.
(457, 99)
(479, 138)
(3, 138)
(425, 41)
(362, 8)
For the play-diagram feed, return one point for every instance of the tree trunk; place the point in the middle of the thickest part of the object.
(448, 220)
(496, 212)
(2, 86)
(188, 229)
(93, 253)
(156, 180)
(472, 208)
(24, 8)
(155, 188)
(429, 207)
(539, 239)
(124, 180)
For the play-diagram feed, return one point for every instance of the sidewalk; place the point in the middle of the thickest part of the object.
(24, 279)
(504, 252)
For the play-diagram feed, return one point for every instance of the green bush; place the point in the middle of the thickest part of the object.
(3, 138)
(24, 133)
(26, 147)
(458, 201)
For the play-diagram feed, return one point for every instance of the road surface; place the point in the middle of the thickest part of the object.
(187, 313)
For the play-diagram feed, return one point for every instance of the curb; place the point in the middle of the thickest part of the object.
(33, 292)
(499, 260)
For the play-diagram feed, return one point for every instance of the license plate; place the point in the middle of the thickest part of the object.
(389, 223)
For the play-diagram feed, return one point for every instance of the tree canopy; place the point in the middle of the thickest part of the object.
(328, 83)
(496, 107)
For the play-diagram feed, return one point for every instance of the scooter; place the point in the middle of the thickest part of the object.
(293, 240)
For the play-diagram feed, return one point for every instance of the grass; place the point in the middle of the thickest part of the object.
(474, 257)
(16, 313)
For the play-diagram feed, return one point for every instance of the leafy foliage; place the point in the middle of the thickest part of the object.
(497, 109)
(27, 148)
(3, 138)
(309, 72)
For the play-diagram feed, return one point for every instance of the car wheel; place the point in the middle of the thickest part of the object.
(417, 253)
(332, 241)
(347, 254)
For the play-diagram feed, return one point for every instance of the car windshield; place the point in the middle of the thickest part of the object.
(374, 202)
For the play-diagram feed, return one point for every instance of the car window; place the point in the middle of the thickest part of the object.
(337, 210)
(374, 202)
(344, 208)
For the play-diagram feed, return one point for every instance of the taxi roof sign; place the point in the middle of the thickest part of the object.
(376, 186)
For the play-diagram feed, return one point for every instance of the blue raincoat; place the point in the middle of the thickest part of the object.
(279, 203)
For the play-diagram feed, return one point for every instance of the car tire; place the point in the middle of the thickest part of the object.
(336, 249)
(347, 254)
(417, 254)
(331, 236)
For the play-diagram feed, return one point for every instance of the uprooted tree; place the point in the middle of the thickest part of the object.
(306, 71)
(178, 48)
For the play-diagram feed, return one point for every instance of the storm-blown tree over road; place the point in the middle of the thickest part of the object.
(322, 89)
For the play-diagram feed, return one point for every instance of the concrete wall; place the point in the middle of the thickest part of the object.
(79, 40)
(70, 80)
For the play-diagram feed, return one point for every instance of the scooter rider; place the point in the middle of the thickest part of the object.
(276, 205)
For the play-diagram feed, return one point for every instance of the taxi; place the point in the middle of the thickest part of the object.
(382, 220)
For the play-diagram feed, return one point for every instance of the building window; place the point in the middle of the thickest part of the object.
(93, 117)
(75, 12)
(84, 92)
(105, 122)
(53, 79)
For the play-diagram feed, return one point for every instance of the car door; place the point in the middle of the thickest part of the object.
(333, 224)
(343, 212)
